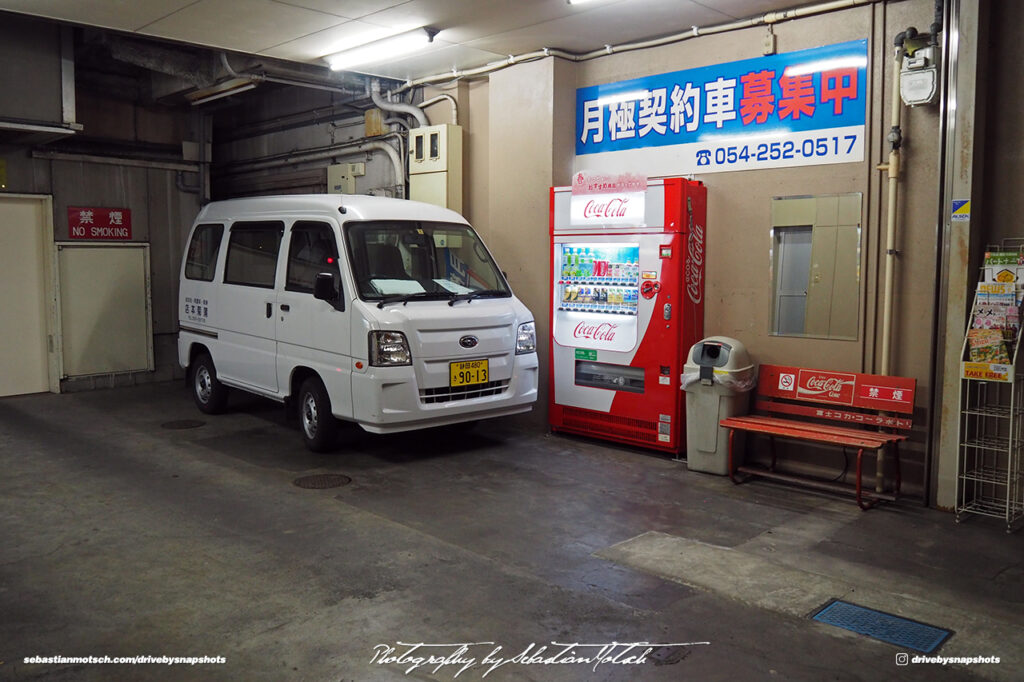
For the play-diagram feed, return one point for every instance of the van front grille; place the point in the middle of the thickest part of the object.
(445, 394)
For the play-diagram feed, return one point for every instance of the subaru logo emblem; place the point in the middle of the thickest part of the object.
(468, 341)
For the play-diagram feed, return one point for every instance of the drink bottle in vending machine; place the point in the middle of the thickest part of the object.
(626, 305)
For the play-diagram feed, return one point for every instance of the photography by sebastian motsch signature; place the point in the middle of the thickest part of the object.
(459, 657)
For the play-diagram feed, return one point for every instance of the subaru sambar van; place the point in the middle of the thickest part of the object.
(388, 313)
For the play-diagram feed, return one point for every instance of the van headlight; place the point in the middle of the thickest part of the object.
(389, 349)
(526, 339)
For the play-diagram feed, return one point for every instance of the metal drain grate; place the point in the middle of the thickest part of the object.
(322, 481)
(183, 424)
(903, 632)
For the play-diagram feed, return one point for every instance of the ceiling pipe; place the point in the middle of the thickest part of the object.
(440, 98)
(766, 19)
(396, 107)
(397, 121)
(179, 182)
(330, 153)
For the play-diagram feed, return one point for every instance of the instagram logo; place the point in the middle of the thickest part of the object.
(901, 659)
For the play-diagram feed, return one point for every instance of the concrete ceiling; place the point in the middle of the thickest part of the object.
(472, 32)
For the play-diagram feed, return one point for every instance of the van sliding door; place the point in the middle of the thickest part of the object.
(248, 304)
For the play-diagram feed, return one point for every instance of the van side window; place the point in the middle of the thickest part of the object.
(252, 253)
(202, 252)
(312, 250)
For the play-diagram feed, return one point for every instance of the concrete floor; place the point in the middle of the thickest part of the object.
(119, 537)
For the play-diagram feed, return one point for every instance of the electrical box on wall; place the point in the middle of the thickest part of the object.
(435, 165)
(341, 177)
(374, 124)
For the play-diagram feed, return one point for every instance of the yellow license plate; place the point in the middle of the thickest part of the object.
(468, 373)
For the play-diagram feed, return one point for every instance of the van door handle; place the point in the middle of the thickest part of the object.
(285, 307)
(270, 309)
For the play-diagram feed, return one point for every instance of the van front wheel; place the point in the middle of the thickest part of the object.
(209, 394)
(316, 421)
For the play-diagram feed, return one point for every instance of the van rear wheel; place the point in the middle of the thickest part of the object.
(209, 394)
(316, 421)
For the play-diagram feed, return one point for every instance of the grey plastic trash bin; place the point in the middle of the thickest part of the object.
(717, 378)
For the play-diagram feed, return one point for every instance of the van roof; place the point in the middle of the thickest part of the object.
(357, 207)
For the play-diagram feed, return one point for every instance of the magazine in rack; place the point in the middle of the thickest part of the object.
(990, 346)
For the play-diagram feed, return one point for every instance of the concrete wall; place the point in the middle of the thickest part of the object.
(161, 216)
(531, 111)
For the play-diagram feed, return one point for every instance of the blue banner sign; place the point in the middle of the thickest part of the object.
(793, 109)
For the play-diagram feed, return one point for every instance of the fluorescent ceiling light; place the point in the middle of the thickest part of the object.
(384, 49)
(226, 89)
(575, 2)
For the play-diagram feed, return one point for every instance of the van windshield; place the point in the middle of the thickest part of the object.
(405, 260)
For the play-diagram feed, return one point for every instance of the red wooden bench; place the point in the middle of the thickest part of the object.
(868, 405)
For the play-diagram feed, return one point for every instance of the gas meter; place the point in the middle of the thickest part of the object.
(919, 76)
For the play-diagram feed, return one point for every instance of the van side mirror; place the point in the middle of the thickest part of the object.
(323, 287)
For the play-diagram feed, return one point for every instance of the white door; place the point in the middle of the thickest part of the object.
(24, 233)
(310, 332)
(104, 308)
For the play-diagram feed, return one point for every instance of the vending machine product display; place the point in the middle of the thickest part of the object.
(627, 302)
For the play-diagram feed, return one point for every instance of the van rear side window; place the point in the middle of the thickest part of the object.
(202, 252)
(252, 253)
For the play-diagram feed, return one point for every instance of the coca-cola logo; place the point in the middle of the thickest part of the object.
(824, 384)
(604, 331)
(695, 264)
(613, 208)
(827, 387)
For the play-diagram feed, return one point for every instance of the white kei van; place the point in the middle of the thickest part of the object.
(385, 312)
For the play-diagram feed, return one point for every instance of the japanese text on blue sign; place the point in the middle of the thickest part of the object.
(797, 108)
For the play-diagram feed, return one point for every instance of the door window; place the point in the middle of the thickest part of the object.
(312, 250)
(252, 253)
(202, 252)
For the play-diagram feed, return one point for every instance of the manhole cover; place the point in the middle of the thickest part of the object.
(183, 424)
(322, 481)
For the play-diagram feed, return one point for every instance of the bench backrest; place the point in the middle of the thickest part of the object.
(823, 393)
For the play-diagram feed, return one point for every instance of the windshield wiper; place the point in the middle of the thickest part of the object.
(475, 294)
(405, 298)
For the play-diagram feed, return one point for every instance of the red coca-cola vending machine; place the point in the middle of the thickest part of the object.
(627, 302)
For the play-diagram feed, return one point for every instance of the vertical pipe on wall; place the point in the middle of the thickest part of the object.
(893, 169)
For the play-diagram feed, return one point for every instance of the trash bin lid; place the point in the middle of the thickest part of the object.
(721, 352)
